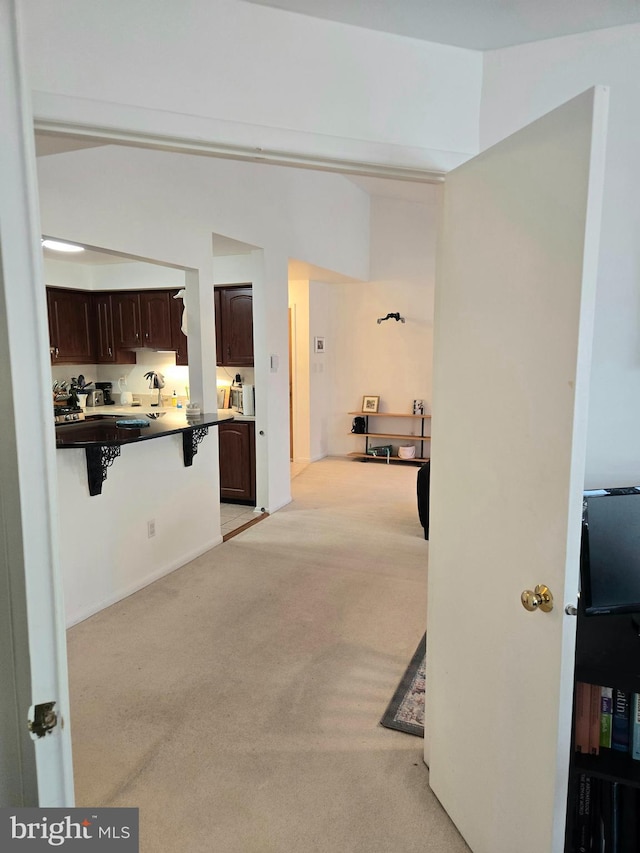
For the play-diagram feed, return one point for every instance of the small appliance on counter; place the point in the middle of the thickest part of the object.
(106, 388)
(126, 397)
(243, 400)
(67, 414)
(95, 398)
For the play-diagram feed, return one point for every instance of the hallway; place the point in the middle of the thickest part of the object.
(236, 701)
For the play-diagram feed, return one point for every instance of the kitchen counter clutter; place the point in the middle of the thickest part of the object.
(102, 435)
(146, 409)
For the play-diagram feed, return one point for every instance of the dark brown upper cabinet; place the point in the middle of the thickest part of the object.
(105, 327)
(105, 348)
(70, 326)
(234, 325)
(127, 325)
(142, 319)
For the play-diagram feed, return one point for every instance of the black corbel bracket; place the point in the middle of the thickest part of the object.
(191, 438)
(99, 458)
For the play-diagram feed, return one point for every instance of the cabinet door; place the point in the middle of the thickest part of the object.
(237, 460)
(104, 346)
(155, 314)
(237, 325)
(127, 329)
(105, 349)
(70, 326)
(178, 338)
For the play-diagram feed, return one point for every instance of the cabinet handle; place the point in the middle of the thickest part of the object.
(146, 334)
(228, 351)
(56, 351)
(137, 336)
(109, 351)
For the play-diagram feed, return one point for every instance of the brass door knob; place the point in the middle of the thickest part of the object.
(540, 599)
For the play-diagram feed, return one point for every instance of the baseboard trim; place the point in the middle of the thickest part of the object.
(87, 612)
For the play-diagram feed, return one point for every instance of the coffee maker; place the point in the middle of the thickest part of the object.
(106, 388)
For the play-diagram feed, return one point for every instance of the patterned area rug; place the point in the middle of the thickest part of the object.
(406, 710)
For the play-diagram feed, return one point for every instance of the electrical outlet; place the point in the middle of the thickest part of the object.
(151, 528)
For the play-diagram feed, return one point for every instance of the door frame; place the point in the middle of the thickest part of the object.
(33, 659)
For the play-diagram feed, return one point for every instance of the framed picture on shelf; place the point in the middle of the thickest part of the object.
(370, 404)
(318, 344)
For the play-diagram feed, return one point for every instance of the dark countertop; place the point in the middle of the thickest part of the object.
(102, 429)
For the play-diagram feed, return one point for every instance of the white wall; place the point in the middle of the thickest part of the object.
(520, 84)
(320, 369)
(261, 77)
(301, 347)
(309, 304)
(392, 360)
(67, 274)
(106, 552)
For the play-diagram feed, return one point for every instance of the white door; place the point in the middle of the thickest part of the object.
(514, 316)
(33, 666)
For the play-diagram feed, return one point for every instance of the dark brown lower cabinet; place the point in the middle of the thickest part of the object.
(237, 461)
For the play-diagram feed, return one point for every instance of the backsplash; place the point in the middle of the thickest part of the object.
(226, 375)
(176, 377)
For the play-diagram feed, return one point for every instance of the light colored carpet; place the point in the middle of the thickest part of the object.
(237, 701)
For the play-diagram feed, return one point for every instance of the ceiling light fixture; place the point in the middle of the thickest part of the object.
(57, 246)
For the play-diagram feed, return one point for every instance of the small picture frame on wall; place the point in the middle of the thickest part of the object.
(318, 344)
(370, 404)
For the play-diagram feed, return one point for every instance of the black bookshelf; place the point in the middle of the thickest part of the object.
(608, 652)
(607, 655)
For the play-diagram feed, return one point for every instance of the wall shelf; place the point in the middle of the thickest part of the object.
(420, 458)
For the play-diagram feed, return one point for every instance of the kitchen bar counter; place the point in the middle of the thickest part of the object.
(103, 429)
(102, 438)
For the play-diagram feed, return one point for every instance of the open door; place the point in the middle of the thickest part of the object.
(513, 321)
(36, 770)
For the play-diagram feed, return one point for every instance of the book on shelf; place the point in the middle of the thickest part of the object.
(606, 706)
(583, 823)
(606, 818)
(635, 727)
(582, 717)
(594, 718)
(620, 721)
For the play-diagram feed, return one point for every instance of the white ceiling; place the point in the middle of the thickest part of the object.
(476, 24)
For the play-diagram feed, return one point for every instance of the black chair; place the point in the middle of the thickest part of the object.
(424, 477)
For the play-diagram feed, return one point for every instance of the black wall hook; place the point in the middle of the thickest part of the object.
(395, 317)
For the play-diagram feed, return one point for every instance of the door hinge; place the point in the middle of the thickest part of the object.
(44, 720)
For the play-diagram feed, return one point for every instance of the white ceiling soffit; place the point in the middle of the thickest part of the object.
(90, 257)
(404, 190)
(49, 143)
(46, 130)
(475, 24)
(222, 247)
(303, 271)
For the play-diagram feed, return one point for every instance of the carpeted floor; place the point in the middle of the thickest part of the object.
(237, 701)
(405, 711)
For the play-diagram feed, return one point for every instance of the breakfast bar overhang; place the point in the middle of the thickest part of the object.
(103, 436)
